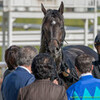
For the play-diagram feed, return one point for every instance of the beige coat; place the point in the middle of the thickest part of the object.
(42, 90)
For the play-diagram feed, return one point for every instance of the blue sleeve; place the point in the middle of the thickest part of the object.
(32, 79)
(69, 92)
(68, 95)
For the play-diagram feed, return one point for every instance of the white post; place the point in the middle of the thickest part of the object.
(86, 33)
(95, 9)
(95, 27)
(59, 1)
(53, 2)
(3, 40)
(10, 28)
(95, 23)
(9, 5)
(3, 36)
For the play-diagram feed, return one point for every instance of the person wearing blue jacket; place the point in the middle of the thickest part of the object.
(88, 87)
(96, 63)
(21, 76)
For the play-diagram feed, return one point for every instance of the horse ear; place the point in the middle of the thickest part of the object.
(43, 9)
(61, 8)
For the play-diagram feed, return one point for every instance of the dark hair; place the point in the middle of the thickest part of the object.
(83, 63)
(43, 67)
(11, 55)
(26, 55)
(97, 40)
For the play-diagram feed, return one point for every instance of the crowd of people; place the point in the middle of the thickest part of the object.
(33, 76)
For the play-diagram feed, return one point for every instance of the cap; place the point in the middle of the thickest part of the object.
(97, 39)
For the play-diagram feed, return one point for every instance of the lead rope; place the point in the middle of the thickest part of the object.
(65, 66)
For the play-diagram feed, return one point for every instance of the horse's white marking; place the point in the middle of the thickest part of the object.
(53, 22)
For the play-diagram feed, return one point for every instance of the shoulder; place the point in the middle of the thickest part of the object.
(73, 87)
(59, 90)
(21, 71)
(25, 88)
(40, 85)
(96, 80)
(7, 72)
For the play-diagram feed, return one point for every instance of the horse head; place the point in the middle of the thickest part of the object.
(53, 32)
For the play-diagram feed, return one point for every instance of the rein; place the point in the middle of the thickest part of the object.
(64, 69)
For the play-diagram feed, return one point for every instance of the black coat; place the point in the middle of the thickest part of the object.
(96, 69)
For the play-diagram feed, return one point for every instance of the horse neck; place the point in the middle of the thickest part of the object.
(43, 47)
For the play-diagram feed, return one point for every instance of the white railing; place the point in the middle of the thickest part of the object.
(73, 37)
(27, 5)
(3, 67)
(3, 64)
(79, 3)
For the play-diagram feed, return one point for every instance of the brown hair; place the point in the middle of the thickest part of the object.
(83, 63)
(11, 55)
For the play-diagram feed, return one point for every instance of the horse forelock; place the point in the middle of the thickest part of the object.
(53, 14)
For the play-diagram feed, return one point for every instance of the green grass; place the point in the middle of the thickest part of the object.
(99, 21)
(73, 22)
(67, 22)
(22, 29)
(28, 20)
(91, 46)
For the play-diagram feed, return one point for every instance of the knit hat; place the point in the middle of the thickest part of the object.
(97, 39)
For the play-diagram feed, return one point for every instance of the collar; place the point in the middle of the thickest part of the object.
(85, 74)
(25, 69)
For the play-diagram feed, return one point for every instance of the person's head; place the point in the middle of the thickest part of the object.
(97, 43)
(43, 67)
(11, 55)
(83, 63)
(26, 55)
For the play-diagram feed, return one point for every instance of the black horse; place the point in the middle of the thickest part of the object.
(52, 38)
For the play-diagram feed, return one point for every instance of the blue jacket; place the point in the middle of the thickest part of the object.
(14, 81)
(87, 88)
